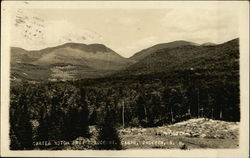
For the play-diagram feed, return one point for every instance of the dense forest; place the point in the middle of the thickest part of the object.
(64, 110)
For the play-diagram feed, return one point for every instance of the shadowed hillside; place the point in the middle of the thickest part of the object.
(147, 52)
(221, 58)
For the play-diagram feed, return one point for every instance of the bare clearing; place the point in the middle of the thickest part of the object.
(193, 133)
(190, 134)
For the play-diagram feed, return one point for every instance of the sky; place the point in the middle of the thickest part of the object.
(126, 30)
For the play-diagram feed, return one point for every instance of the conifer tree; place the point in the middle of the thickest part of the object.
(108, 138)
(24, 130)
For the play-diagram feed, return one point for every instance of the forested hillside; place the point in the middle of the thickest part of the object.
(222, 58)
(148, 51)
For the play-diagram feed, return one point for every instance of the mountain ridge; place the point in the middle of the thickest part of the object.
(167, 59)
(78, 60)
(145, 52)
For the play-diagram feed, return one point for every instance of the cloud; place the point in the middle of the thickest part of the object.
(201, 25)
(127, 31)
(140, 44)
(127, 21)
(53, 33)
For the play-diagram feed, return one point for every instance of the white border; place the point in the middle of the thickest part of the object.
(244, 82)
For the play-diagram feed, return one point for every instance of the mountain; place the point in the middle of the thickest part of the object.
(72, 61)
(208, 44)
(218, 58)
(146, 52)
(67, 61)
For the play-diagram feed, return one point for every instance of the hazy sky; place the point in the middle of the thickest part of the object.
(126, 30)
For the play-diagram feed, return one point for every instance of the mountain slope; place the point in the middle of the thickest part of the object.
(146, 52)
(223, 56)
(67, 61)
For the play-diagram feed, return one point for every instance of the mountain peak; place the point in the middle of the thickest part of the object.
(208, 44)
(99, 47)
(72, 44)
(182, 42)
(146, 52)
(96, 47)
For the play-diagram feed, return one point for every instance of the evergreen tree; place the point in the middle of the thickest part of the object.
(141, 110)
(42, 130)
(71, 125)
(83, 122)
(108, 137)
(83, 115)
(14, 143)
(55, 124)
(24, 130)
